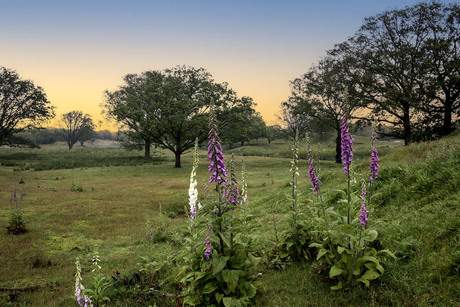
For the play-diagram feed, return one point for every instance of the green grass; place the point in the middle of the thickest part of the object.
(101, 202)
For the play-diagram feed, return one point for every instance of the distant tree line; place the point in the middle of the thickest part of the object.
(45, 136)
(401, 68)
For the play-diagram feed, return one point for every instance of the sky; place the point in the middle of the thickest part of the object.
(75, 50)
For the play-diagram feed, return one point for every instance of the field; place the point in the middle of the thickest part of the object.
(100, 198)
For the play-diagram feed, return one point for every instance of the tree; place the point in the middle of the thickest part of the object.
(440, 77)
(22, 105)
(408, 65)
(323, 95)
(273, 132)
(166, 108)
(240, 122)
(76, 127)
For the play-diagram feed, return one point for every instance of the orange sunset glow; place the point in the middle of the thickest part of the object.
(77, 50)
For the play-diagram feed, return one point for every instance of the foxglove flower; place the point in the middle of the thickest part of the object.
(347, 143)
(374, 167)
(15, 199)
(193, 191)
(215, 155)
(232, 187)
(314, 179)
(244, 185)
(364, 210)
(82, 300)
(207, 242)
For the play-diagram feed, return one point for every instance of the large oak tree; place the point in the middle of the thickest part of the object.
(22, 105)
(166, 108)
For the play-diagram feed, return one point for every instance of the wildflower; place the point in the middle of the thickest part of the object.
(82, 300)
(232, 188)
(15, 200)
(315, 180)
(96, 260)
(215, 155)
(244, 185)
(347, 143)
(364, 210)
(193, 191)
(207, 242)
(374, 167)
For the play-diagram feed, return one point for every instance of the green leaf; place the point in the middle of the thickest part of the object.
(341, 249)
(218, 263)
(231, 278)
(321, 253)
(283, 253)
(369, 275)
(219, 297)
(338, 287)
(210, 288)
(231, 302)
(387, 253)
(335, 271)
(371, 235)
(317, 245)
(238, 260)
(247, 289)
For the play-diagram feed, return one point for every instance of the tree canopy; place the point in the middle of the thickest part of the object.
(167, 108)
(22, 105)
(401, 67)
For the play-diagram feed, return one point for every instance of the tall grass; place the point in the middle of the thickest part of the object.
(417, 216)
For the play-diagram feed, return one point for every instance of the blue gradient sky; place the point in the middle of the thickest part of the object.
(77, 49)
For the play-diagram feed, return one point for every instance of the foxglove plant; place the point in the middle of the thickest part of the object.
(193, 191)
(219, 273)
(216, 157)
(16, 223)
(207, 243)
(82, 300)
(232, 193)
(347, 157)
(347, 145)
(315, 178)
(374, 167)
(295, 174)
(244, 185)
(364, 210)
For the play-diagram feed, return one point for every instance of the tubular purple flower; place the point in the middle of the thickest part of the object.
(374, 167)
(315, 180)
(207, 242)
(215, 155)
(347, 143)
(364, 210)
(82, 300)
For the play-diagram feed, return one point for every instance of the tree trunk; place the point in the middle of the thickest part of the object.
(447, 125)
(338, 145)
(147, 150)
(177, 154)
(70, 146)
(406, 125)
(242, 143)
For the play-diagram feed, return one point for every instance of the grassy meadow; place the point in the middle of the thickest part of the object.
(100, 198)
